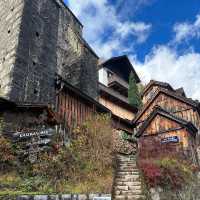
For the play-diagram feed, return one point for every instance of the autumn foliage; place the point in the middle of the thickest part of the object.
(164, 165)
(7, 156)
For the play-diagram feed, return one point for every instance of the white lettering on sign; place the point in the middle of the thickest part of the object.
(173, 139)
(34, 133)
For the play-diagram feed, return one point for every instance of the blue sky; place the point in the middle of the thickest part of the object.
(161, 37)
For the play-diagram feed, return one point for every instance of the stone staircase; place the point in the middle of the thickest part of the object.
(127, 184)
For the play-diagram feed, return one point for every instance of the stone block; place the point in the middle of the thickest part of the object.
(66, 197)
(41, 197)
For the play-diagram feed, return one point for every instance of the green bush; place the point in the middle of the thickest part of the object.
(7, 154)
(133, 92)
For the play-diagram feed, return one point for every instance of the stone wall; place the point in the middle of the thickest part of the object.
(10, 14)
(39, 39)
(63, 197)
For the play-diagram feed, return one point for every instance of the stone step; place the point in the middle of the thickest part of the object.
(127, 167)
(122, 165)
(134, 192)
(127, 173)
(123, 183)
(127, 184)
(127, 180)
(128, 177)
(127, 188)
(128, 170)
(126, 160)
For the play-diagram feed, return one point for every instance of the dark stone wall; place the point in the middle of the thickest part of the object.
(38, 40)
(36, 61)
(77, 63)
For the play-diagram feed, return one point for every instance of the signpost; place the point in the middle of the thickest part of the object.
(34, 142)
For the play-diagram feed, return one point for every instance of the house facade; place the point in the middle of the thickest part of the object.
(169, 116)
(113, 87)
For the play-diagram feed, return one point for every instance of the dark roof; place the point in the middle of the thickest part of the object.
(33, 107)
(171, 94)
(122, 66)
(116, 97)
(157, 83)
(160, 111)
(5, 103)
(180, 91)
(82, 95)
(122, 124)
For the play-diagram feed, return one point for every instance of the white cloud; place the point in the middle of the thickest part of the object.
(186, 31)
(99, 17)
(164, 64)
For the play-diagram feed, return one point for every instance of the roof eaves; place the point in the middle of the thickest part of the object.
(173, 94)
(158, 110)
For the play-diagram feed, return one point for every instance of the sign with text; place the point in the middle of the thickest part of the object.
(33, 142)
(30, 134)
(171, 139)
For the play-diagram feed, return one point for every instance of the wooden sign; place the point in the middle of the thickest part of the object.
(172, 139)
(26, 135)
(34, 142)
(39, 142)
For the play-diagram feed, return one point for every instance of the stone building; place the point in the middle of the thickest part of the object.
(38, 40)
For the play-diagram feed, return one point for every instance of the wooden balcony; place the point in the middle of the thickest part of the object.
(118, 84)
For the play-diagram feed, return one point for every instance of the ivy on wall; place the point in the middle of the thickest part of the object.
(134, 97)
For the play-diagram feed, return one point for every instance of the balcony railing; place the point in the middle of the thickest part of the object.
(116, 81)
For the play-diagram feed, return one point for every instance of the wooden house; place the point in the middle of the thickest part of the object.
(73, 106)
(176, 117)
(114, 83)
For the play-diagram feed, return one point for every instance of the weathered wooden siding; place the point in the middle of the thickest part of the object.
(72, 109)
(174, 106)
(117, 109)
(160, 124)
(150, 92)
(183, 135)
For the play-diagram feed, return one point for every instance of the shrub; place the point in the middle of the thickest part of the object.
(166, 172)
(164, 165)
(133, 92)
(88, 159)
(93, 143)
(53, 166)
(84, 166)
(7, 155)
(152, 173)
